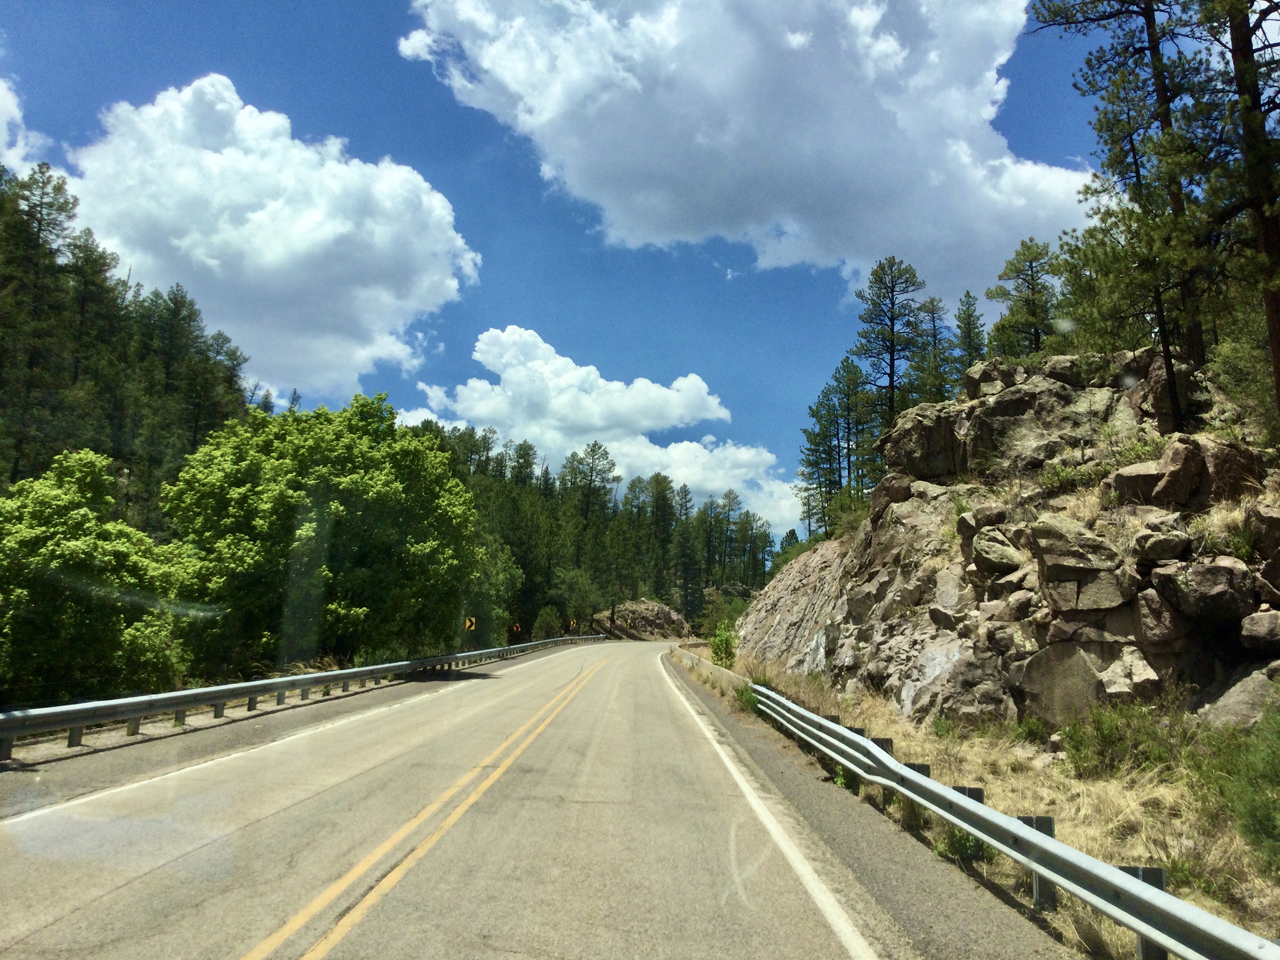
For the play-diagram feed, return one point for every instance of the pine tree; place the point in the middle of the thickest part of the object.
(970, 343)
(1029, 301)
(930, 340)
(883, 341)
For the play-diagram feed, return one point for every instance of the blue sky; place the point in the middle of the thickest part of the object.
(679, 195)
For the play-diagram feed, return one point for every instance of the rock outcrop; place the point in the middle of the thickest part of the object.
(644, 620)
(970, 592)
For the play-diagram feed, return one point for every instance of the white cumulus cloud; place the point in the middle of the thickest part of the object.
(817, 131)
(561, 406)
(315, 262)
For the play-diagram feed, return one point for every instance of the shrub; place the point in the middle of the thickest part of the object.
(746, 698)
(1117, 738)
(1058, 478)
(724, 645)
(1031, 730)
(966, 850)
(1238, 773)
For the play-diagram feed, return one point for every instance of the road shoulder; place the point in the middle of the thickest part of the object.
(943, 913)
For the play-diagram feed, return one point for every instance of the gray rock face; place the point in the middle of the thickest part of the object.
(798, 606)
(1221, 591)
(1010, 614)
(1261, 631)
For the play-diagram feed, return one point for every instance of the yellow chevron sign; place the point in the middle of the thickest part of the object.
(471, 623)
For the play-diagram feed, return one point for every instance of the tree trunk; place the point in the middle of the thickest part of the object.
(1256, 153)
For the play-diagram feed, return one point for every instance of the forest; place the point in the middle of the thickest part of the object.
(1182, 251)
(163, 523)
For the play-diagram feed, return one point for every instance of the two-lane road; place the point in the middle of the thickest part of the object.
(580, 805)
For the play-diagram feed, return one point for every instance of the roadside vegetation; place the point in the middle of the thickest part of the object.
(1130, 784)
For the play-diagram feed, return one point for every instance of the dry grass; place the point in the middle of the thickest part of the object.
(1083, 505)
(1221, 530)
(1148, 819)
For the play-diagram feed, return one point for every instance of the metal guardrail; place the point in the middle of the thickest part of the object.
(1157, 917)
(75, 717)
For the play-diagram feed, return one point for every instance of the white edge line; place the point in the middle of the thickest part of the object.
(818, 891)
(97, 794)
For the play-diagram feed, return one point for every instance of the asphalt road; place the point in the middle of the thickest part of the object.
(587, 803)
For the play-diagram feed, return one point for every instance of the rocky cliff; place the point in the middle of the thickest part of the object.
(1043, 544)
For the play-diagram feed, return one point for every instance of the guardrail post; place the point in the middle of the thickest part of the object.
(131, 728)
(179, 718)
(280, 698)
(306, 693)
(252, 704)
(346, 686)
(6, 748)
(362, 683)
(977, 794)
(75, 736)
(884, 743)
(219, 711)
(1155, 877)
(377, 681)
(1044, 895)
(913, 815)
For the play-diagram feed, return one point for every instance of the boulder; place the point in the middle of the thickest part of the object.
(1261, 631)
(1161, 626)
(1158, 389)
(1184, 475)
(923, 442)
(892, 488)
(1244, 703)
(993, 554)
(1064, 369)
(966, 525)
(1129, 677)
(1262, 522)
(1060, 683)
(1154, 546)
(990, 515)
(986, 378)
(1234, 468)
(1221, 591)
(1068, 551)
(1136, 483)
(1098, 590)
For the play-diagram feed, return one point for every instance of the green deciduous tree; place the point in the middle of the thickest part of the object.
(88, 605)
(329, 532)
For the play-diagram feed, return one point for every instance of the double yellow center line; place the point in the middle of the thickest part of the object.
(348, 921)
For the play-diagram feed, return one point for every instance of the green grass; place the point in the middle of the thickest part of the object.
(1031, 730)
(746, 698)
(963, 849)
